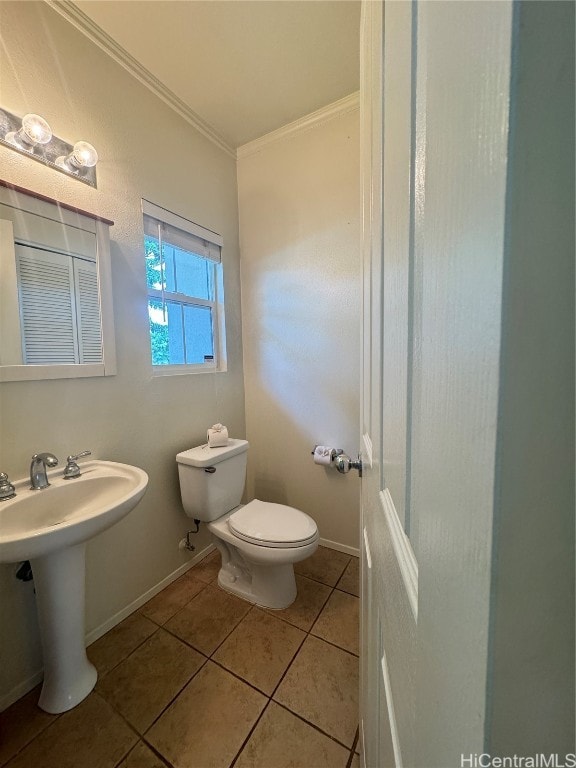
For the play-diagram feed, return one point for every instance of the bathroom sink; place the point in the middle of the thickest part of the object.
(36, 523)
(50, 527)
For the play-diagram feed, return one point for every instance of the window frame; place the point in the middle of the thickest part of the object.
(213, 243)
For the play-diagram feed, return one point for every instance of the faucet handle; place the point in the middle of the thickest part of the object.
(79, 456)
(7, 490)
(72, 469)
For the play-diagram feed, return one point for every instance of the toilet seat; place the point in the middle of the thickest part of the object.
(272, 525)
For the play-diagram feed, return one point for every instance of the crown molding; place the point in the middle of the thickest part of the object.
(68, 10)
(336, 109)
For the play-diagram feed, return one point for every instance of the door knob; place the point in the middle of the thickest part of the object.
(344, 464)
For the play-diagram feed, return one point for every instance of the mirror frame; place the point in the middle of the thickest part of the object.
(32, 202)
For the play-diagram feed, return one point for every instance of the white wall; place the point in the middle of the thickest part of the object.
(299, 235)
(145, 150)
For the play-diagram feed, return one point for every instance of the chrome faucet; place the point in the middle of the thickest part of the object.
(38, 478)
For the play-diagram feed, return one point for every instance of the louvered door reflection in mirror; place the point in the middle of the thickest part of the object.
(55, 304)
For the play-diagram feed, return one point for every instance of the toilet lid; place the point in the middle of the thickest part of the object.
(273, 525)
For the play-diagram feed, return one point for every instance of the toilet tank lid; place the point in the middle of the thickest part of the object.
(204, 456)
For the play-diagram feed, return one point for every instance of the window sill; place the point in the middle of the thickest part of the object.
(184, 370)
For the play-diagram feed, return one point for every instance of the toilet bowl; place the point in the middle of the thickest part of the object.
(259, 542)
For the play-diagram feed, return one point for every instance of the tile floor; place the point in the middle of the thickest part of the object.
(200, 679)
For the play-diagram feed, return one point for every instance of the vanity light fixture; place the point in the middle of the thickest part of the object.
(33, 137)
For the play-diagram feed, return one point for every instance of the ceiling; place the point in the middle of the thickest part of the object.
(245, 67)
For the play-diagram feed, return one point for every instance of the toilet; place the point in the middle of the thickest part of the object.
(260, 541)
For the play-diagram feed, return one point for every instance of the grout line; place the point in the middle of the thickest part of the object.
(249, 736)
(321, 611)
(312, 725)
(105, 674)
(172, 700)
(318, 637)
(195, 648)
(133, 727)
(275, 614)
(157, 754)
(334, 645)
(353, 750)
(311, 578)
(180, 608)
(338, 647)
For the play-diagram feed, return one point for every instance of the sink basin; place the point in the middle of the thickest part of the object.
(36, 523)
(50, 527)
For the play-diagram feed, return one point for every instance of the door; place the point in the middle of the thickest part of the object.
(388, 565)
(435, 90)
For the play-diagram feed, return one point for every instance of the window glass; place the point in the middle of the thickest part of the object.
(198, 334)
(193, 275)
(153, 265)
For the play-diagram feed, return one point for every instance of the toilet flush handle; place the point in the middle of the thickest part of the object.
(210, 470)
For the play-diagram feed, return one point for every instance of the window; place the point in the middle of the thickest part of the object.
(185, 294)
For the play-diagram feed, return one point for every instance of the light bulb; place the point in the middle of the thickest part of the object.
(83, 155)
(35, 130)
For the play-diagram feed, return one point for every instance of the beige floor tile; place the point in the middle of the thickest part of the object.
(282, 740)
(339, 622)
(208, 619)
(20, 723)
(310, 600)
(355, 761)
(325, 565)
(172, 599)
(322, 687)
(207, 569)
(350, 579)
(142, 757)
(147, 681)
(91, 735)
(208, 722)
(260, 649)
(119, 642)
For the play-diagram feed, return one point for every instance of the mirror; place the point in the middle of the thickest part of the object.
(55, 290)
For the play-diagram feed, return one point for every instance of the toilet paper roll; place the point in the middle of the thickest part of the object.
(217, 436)
(323, 454)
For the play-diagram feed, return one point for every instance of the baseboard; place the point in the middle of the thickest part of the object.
(110, 623)
(27, 685)
(21, 690)
(339, 547)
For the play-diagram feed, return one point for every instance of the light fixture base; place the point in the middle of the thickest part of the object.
(47, 154)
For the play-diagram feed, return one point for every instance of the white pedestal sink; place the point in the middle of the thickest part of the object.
(50, 528)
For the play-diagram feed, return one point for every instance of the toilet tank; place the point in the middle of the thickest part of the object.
(212, 479)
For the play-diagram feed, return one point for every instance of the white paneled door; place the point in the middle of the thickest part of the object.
(389, 572)
(435, 86)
